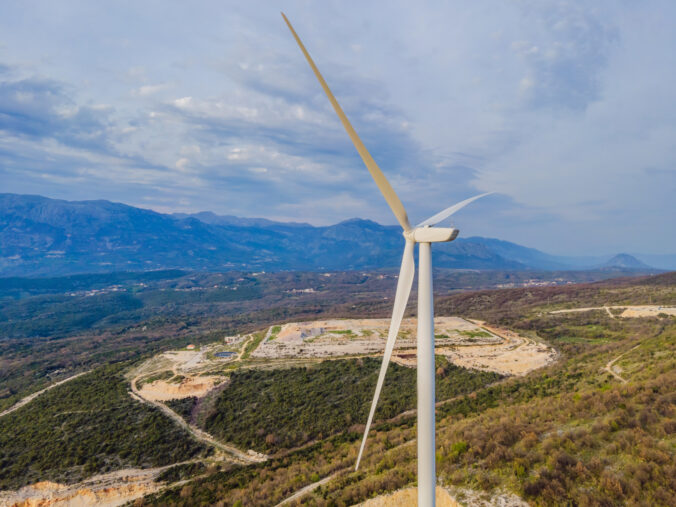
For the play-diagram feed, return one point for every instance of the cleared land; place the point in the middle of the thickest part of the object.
(181, 374)
(470, 344)
(184, 387)
(629, 311)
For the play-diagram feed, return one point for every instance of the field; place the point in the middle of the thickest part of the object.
(534, 404)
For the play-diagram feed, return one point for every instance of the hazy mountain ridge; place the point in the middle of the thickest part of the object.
(41, 236)
(625, 261)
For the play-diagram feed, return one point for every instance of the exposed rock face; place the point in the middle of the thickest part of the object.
(108, 490)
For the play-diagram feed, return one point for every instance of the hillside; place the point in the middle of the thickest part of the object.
(41, 236)
(53, 327)
(625, 261)
(595, 427)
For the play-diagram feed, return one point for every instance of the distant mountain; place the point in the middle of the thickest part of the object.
(213, 219)
(664, 261)
(527, 256)
(41, 236)
(625, 261)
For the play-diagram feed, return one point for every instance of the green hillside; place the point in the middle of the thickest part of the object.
(571, 433)
(272, 410)
(87, 426)
(597, 427)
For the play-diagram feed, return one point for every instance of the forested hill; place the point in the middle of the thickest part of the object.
(40, 236)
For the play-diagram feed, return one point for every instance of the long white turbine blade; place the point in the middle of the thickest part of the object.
(442, 215)
(384, 185)
(404, 284)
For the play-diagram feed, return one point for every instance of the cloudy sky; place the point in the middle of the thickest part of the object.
(566, 109)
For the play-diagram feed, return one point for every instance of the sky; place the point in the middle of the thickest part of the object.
(567, 110)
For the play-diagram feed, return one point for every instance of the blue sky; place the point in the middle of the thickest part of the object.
(566, 109)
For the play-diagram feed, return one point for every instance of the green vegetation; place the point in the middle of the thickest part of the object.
(573, 433)
(274, 332)
(568, 434)
(183, 406)
(263, 484)
(476, 334)
(55, 316)
(18, 287)
(162, 375)
(269, 410)
(252, 344)
(87, 426)
(218, 295)
(182, 472)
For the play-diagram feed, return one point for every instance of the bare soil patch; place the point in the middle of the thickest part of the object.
(632, 311)
(409, 496)
(163, 390)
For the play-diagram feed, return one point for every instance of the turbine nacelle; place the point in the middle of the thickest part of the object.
(429, 234)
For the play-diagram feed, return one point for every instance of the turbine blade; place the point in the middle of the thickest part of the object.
(442, 215)
(384, 185)
(404, 284)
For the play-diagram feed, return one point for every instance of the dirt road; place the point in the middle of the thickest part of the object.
(31, 397)
(298, 494)
(234, 454)
(609, 367)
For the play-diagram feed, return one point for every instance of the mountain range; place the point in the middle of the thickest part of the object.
(41, 236)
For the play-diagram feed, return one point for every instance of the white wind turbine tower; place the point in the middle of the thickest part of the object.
(424, 234)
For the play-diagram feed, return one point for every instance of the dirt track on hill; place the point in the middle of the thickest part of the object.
(233, 453)
(31, 397)
(609, 367)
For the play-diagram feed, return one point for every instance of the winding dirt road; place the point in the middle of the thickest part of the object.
(234, 454)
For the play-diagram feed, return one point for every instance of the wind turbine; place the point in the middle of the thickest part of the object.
(425, 233)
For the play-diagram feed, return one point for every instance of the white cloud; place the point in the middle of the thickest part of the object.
(566, 109)
(147, 90)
